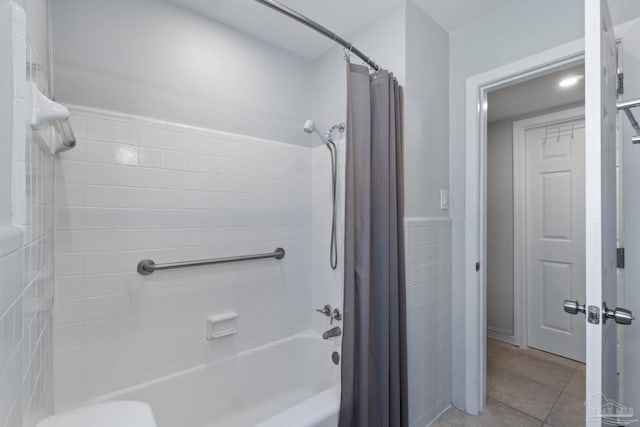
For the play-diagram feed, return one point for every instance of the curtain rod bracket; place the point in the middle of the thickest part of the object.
(347, 53)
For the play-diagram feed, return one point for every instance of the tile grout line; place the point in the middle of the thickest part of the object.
(520, 411)
(518, 374)
(546, 420)
(521, 376)
(564, 388)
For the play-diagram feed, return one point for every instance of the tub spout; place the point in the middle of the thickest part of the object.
(333, 332)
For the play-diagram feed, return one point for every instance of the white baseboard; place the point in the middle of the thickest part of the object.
(501, 336)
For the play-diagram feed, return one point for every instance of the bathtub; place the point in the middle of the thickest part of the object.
(288, 383)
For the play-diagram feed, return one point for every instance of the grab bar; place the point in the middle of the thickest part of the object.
(148, 266)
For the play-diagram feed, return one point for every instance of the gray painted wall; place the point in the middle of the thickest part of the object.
(383, 39)
(158, 60)
(396, 40)
(426, 115)
(500, 227)
(515, 31)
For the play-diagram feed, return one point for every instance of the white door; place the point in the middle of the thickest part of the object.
(600, 208)
(555, 228)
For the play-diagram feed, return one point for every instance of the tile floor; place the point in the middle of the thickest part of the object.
(526, 387)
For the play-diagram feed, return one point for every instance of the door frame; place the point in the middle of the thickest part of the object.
(520, 290)
(477, 88)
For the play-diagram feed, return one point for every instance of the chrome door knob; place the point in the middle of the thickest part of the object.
(573, 307)
(622, 316)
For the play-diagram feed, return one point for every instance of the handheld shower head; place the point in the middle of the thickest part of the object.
(327, 138)
(310, 127)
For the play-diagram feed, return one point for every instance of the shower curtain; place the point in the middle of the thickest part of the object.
(374, 346)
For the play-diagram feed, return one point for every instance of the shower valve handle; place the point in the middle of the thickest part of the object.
(335, 315)
(326, 310)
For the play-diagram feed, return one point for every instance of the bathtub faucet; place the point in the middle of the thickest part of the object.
(333, 332)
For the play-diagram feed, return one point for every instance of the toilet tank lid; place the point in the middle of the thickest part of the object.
(122, 413)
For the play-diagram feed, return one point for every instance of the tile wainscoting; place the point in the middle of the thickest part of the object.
(137, 188)
(428, 255)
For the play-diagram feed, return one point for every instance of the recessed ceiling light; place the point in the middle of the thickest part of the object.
(569, 81)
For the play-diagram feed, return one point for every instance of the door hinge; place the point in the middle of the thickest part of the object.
(477, 266)
(620, 83)
(620, 257)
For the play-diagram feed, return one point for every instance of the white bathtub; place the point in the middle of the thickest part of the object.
(288, 383)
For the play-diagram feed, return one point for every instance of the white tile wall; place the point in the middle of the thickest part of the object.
(26, 285)
(326, 284)
(458, 318)
(428, 255)
(137, 188)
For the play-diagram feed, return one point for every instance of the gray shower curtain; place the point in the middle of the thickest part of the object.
(374, 346)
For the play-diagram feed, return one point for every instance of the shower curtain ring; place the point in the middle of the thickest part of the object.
(371, 67)
(347, 53)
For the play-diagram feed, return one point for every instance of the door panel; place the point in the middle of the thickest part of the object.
(554, 205)
(557, 281)
(600, 203)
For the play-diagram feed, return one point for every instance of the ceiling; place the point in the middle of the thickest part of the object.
(344, 17)
(453, 14)
(624, 10)
(538, 94)
(340, 16)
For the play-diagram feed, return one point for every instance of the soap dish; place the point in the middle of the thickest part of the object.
(221, 325)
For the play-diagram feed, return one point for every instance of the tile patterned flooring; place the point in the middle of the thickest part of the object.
(526, 387)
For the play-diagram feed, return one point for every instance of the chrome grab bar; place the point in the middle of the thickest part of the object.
(148, 266)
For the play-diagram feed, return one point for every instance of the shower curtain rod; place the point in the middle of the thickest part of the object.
(319, 28)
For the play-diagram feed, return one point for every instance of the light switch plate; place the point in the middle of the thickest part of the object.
(444, 199)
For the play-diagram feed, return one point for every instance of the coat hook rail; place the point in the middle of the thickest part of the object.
(148, 266)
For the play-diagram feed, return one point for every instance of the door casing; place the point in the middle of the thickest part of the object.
(477, 88)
